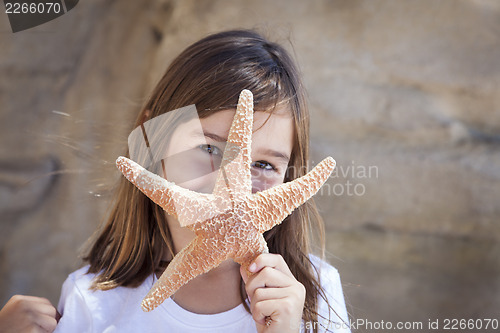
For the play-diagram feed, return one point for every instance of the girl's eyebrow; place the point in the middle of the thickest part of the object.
(275, 153)
(214, 137)
(209, 135)
(264, 151)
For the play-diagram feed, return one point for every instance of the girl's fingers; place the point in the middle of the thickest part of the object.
(270, 260)
(265, 294)
(47, 323)
(270, 311)
(263, 310)
(40, 304)
(31, 299)
(23, 313)
(47, 309)
(276, 297)
(267, 278)
(43, 311)
(244, 274)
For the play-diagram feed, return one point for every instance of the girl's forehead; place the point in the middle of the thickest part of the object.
(221, 121)
(226, 116)
(272, 126)
(269, 128)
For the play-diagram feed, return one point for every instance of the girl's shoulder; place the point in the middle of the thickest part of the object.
(82, 306)
(80, 277)
(323, 270)
(333, 315)
(80, 283)
(119, 310)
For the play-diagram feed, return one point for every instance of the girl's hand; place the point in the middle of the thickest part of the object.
(276, 297)
(28, 314)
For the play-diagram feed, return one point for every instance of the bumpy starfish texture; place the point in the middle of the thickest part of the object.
(229, 222)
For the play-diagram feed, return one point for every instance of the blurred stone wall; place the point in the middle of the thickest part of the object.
(404, 94)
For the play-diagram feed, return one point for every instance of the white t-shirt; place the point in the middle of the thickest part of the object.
(119, 310)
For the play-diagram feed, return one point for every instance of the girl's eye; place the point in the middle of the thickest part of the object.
(263, 165)
(210, 149)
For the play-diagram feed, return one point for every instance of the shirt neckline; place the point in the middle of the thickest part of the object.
(188, 318)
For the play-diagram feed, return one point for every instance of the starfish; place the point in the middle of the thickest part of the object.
(230, 221)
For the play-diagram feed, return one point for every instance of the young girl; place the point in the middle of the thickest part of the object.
(293, 288)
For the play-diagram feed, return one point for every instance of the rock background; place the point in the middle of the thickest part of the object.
(404, 94)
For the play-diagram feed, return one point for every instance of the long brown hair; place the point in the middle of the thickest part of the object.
(211, 73)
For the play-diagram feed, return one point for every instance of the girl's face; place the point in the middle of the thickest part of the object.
(196, 148)
(195, 153)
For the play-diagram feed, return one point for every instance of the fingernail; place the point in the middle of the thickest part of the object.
(252, 267)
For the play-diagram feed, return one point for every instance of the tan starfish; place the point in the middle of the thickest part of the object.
(230, 221)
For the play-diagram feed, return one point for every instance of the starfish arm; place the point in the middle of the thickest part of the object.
(273, 205)
(234, 174)
(251, 250)
(187, 206)
(198, 257)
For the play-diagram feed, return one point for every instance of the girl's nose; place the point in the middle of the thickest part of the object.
(261, 182)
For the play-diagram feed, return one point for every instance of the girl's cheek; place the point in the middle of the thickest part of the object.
(261, 182)
(193, 170)
(201, 184)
